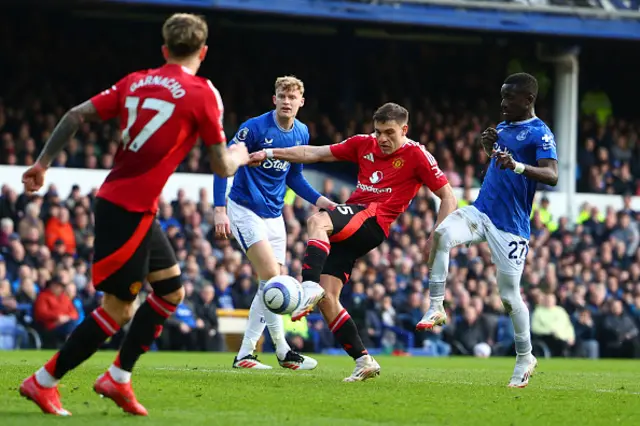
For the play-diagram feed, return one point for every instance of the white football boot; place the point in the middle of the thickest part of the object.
(366, 368)
(525, 367)
(295, 361)
(250, 362)
(434, 316)
(312, 293)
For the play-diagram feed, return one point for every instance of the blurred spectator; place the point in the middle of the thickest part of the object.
(620, 334)
(470, 332)
(552, 325)
(54, 313)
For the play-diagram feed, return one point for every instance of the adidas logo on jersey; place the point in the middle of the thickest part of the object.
(368, 157)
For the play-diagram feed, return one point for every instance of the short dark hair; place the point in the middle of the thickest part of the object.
(391, 112)
(525, 82)
(184, 34)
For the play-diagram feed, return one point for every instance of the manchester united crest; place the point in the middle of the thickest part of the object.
(135, 288)
(397, 163)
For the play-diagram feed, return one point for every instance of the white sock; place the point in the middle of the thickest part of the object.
(255, 325)
(276, 331)
(119, 375)
(45, 379)
(509, 286)
(438, 276)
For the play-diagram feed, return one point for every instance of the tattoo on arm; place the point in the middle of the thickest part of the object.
(65, 130)
(219, 161)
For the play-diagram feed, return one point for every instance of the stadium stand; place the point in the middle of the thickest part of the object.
(582, 280)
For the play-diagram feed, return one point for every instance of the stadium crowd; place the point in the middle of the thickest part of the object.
(582, 283)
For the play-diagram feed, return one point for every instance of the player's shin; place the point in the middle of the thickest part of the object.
(255, 325)
(83, 342)
(145, 328)
(342, 326)
(509, 286)
(275, 325)
(314, 258)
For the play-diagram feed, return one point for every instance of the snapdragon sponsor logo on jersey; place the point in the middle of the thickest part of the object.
(376, 177)
(369, 188)
(280, 165)
(155, 80)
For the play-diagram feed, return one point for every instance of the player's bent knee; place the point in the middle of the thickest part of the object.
(442, 238)
(319, 222)
(176, 297)
(120, 310)
(169, 289)
(164, 274)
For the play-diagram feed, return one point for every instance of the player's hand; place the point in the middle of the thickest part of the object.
(504, 160)
(221, 223)
(488, 138)
(33, 178)
(184, 328)
(325, 203)
(256, 158)
(240, 153)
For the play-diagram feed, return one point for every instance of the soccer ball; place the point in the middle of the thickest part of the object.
(282, 294)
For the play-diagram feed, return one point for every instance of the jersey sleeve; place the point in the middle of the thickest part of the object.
(108, 102)
(428, 170)
(210, 117)
(348, 149)
(545, 143)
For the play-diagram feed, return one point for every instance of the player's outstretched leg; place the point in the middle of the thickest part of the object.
(526, 363)
(104, 322)
(146, 326)
(315, 256)
(345, 331)
(452, 231)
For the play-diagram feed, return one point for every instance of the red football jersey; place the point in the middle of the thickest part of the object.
(391, 180)
(162, 111)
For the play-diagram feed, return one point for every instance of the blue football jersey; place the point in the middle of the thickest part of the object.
(507, 197)
(262, 189)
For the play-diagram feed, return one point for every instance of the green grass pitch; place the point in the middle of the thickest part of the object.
(202, 389)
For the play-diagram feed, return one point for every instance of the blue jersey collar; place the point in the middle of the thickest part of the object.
(517, 123)
(282, 129)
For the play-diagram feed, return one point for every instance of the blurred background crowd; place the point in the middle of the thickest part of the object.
(582, 279)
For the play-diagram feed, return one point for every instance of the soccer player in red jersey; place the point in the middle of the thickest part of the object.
(162, 111)
(391, 170)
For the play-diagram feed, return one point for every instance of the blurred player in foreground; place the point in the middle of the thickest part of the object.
(161, 111)
(391, 170)
(255, 214)
(501, 213)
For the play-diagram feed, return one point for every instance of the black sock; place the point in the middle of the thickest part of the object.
(145, 328)
(346, 333)
(83, 342)
(314, 258)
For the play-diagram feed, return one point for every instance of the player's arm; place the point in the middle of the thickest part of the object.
(547, 169)
(225, 162)
(33, 178)
(343, 151)
(431, 175)
(65, 130)
(299, 184)
(303, 154)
